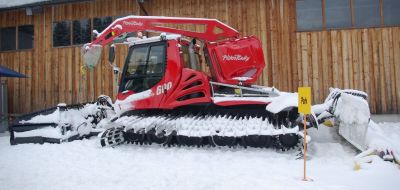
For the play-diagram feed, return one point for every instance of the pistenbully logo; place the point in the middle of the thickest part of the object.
(236, 57)
(133, 23)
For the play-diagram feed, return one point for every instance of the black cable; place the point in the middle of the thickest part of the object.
(140, 2)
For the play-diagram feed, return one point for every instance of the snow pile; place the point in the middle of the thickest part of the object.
(242, 79)
(276, 103)
(320, 108)
(49, 132)
(383, 142)
(385, 136)
(283, 101)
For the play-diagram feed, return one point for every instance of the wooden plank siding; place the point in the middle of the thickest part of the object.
(363, 59)
(54, 73)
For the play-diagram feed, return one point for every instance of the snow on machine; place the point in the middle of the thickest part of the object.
(165, 98)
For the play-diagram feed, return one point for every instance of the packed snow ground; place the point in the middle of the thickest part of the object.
(85, 165)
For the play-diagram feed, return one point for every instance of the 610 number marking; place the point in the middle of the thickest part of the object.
(163, 88)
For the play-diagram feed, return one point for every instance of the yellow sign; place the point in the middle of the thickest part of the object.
(304, 100)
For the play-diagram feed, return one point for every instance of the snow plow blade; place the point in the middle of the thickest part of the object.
(63, 123)
(348, 110)
(353, 116)
(355, 134)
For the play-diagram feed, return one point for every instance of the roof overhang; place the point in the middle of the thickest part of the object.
(20, 4)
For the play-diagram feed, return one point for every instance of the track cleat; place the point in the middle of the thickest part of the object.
(112, 137)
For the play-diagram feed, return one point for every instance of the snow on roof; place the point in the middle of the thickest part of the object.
(14, 4)
(18, 3)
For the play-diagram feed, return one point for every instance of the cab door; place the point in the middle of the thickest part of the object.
(144, 70)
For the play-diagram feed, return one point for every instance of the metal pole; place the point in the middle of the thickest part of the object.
(3, 106)
(305, 148)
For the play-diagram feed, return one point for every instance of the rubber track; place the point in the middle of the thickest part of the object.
(147, 134)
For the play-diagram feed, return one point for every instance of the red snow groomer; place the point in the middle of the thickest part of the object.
(165, 97)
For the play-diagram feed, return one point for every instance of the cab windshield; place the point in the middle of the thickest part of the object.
(144, 67)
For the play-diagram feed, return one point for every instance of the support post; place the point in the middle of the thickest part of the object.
(305, 148)
(304, 107)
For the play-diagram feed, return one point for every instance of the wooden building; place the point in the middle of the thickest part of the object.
(318, 43)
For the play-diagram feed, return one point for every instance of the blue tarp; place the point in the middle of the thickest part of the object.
(6, 72)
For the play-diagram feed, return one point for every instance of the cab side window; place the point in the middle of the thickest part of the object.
(184, 53)
(145, 67)
(155, 64)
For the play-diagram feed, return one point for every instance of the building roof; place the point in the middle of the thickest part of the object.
(16, 4)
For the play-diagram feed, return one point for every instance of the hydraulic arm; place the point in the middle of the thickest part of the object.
(213, 29)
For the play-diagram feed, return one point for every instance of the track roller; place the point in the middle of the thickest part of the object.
(189, 141)
(112, 137)
(258, 141)
(287, 141)
(133, 137)
(158, 138)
